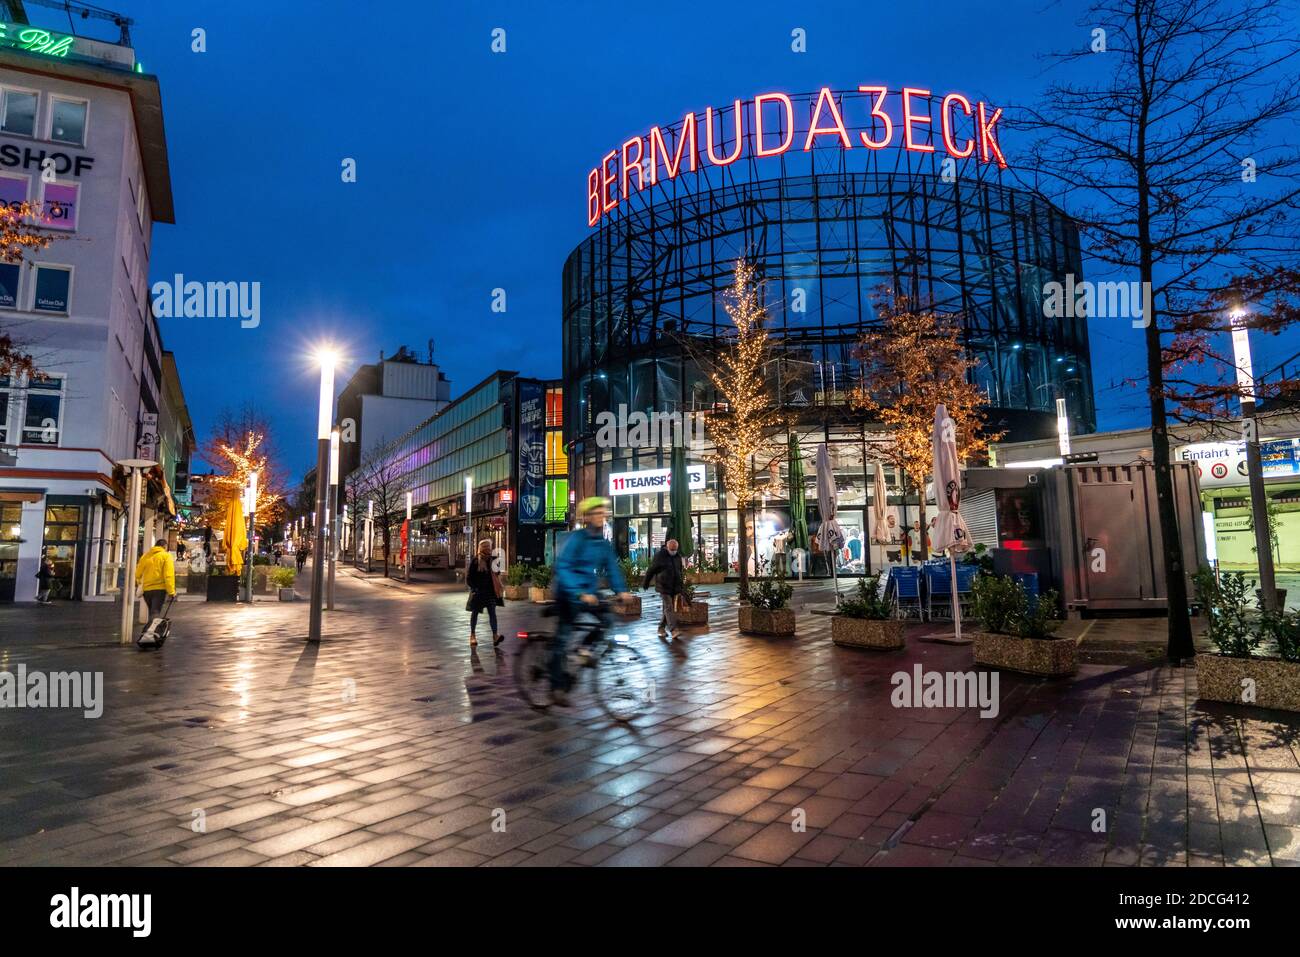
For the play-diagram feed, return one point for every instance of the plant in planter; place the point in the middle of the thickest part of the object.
(694, 612)
(767, 611)
(282, 579)
(866, 621)
(1238, 673)
(541, 581)
(707, 571)
(632, 572)
(516, 586)
(1016, 633)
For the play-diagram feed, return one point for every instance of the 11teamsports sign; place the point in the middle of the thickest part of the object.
(643, 161)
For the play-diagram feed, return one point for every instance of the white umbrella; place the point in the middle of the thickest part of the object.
(950, 532)
(829, 535)
(880, 508)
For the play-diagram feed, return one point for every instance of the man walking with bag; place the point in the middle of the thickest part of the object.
(668, 573)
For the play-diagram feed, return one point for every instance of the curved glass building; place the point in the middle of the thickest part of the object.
(642, 295)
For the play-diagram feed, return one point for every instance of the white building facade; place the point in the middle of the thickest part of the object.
(81, 134)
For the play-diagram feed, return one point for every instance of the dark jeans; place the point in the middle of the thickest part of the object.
(492, 618)
(154, 602)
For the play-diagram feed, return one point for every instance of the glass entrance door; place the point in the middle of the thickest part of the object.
(61, 545)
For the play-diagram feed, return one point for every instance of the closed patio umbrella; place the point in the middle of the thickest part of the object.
(679, 503)
(950, 532)
(880, 510)
(829, 534)
(798, 501)
(236, 535)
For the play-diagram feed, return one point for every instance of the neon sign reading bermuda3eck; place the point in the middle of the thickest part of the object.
(915, 119)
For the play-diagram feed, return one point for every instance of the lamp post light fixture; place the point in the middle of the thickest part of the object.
(1254, 465)
(250, 506)
(334, 518)
(324, 423)
(1063, 427)
(410, 537)
(469, 521)
(370, 529)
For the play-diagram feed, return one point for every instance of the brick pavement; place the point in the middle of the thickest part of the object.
(241, 723)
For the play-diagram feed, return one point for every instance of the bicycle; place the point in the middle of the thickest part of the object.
(620, 676)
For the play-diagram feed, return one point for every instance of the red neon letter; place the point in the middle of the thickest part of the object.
(909, 118)
(636, 166)
(607, 179)
(879, 114)
(593, 197)
(784, 100)
(735, 154)
(657, 146)
(814, 130)
(987, 143)
(947, 125)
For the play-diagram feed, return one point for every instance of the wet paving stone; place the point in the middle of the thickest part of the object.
(392, 743)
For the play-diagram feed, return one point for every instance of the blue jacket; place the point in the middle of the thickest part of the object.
(584, 559)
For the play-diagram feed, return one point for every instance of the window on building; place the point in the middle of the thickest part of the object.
(53, 289)
(13, 190)
(68, 121)
(43, 418)
(5, 404)
(59, 206)
(9, 276)
(19, 108)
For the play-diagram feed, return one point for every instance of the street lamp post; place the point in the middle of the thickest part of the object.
(250, 500)
(137, 467)
(370, 530)
(334, 519)
(324, 421)
(410, 538)
(1254, 466)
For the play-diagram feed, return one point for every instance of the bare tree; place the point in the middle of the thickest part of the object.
(1177, 164)
(382, 479)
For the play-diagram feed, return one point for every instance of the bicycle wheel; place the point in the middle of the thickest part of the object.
(532, 671)
(624, 685)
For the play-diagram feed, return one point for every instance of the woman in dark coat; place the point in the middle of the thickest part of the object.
(484, 592)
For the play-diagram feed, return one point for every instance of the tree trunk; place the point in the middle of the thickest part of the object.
(922, 521)
(1179, 644)
(386, 536)
(743, 550)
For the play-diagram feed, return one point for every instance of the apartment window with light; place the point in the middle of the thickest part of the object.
(68, 121)
(59, 205)
(10, 273)
(43, 415)
(19, 112)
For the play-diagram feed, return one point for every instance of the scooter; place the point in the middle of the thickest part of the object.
(156, 632)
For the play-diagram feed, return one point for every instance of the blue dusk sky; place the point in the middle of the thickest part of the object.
(471, 166)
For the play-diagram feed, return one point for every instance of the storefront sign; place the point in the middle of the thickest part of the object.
(34, 159)
(1224, 463)
(532, 453)
(22, 36)
(768, 126)
(649, 481)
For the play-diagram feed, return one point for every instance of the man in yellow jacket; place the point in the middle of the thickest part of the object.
(156, 577)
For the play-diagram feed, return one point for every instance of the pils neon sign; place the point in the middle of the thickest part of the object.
(35, 40)
(767, 126)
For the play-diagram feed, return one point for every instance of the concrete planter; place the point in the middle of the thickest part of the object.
(261, 585)
(697, 614)
(760, 621)
(630, 608)
(286, 594)
(886, 635)
(514, 592)
(1047, 657)
(223, 588)
(707, 578)
(536, 594)
(196, 583)
(1272, 682)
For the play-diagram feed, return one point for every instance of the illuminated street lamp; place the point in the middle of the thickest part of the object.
(250, 506)
(324, 421)
(410, 539)
(1254, 466)
(334, 519)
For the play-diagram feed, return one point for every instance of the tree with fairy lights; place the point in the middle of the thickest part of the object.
(742, 424)
(238, 446)
(21, 233)
(911, 363)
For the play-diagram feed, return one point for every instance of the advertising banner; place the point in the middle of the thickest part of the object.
(532, 453)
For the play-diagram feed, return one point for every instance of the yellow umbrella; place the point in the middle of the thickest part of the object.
(236, 536)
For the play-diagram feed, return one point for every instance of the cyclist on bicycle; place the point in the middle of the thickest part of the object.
(586, 557)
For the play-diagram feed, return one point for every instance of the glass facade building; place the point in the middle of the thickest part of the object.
(642, 297)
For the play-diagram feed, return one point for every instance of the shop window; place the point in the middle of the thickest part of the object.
(43, 419)
(13, 190)
(19, 113)
(53, 289)
(68, 121)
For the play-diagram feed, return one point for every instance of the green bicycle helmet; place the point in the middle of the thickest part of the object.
(591, 503)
